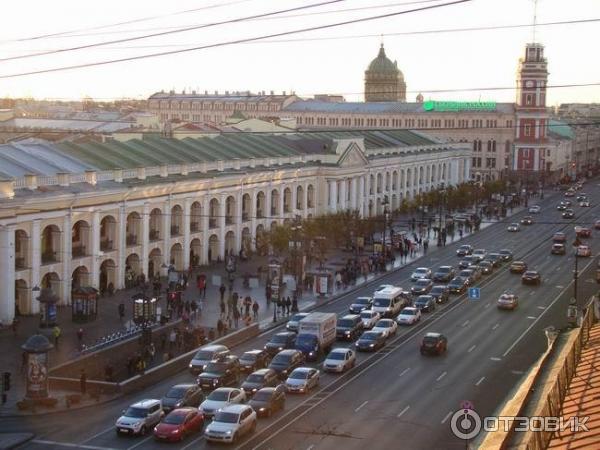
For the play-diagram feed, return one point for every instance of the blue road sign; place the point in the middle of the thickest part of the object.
(474, 293)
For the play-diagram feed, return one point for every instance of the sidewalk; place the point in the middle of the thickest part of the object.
(108, 322)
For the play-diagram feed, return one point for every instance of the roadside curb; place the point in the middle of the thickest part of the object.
(13, 440)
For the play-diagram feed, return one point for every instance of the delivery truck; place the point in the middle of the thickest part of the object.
(316, 334)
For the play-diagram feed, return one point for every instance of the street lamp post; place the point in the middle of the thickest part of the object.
(573, 308)
(442, 193)
(294, 246)
(386, 215)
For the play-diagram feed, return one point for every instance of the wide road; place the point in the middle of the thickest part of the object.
(396, 398)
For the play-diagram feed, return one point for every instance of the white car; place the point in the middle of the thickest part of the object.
(514, 227)
(369, 318)
(584, 204)
(140, 417)
(386, 326)
(409, 316)
(480, 253)
(230, 423)
(302, 380)
(535, 209)
(420, 273)
(584, 250)
(382, 287)
(220, 398)
(339, 360)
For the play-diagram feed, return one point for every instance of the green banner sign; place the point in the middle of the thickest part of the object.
(432, 105)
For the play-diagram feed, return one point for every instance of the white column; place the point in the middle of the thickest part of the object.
(361, 196)
(145, 239)
(281, 202)
(343, 194)
(221, 222)
(353, 193)
(294, 188)
(238, 221)
(187, 211)
(166, 235)
(95, 270)
(7, 274)
(121, 247)
(305, 200)
(268, 202)
(399, 187)
(205, 231)
(333, 196)
(66, 258)
(36, 262)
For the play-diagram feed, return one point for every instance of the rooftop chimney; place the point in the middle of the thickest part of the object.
(7, 189)
(91, 177)
(30, 181)
(64, 179)
(118, 175)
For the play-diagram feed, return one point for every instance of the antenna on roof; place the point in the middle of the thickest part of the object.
(534, 19)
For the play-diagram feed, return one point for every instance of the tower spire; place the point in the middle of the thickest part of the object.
(534, 18)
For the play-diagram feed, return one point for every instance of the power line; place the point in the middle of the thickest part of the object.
(164, 33)
(233, 42)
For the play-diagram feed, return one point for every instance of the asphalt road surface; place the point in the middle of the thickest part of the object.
(396, 398)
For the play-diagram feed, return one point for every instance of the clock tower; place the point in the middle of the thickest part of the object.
(531, 113)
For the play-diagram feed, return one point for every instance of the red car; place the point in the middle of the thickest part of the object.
(178, 424)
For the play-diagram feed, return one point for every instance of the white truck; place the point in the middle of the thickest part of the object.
(316, 334)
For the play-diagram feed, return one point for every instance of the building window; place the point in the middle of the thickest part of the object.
(493, 146)
(528, 99)
(527, 130)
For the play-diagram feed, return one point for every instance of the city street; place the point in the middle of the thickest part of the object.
(396, 398)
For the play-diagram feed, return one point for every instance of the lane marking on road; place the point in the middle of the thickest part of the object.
(487, 305)
(404, 371)
(514, 344)
(517, 372)
(532, 292)
(70, 445)
(471, 348)
(403, 411)
(361, 405)
(541, 307)
(495, 326)
(495, 358)
(465, 323)
(560, 286)
(190, 444)
(447, 417)
(531, 317)
(441, 376)
(111, 429)
(143, 441)
(480, 381)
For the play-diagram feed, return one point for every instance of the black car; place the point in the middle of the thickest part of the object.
(370, 341)
(434, 343)
(440, 293)
(495, 259)
(425, 303)
(285, 361)
(467, 261)
(464, 250)
(182, 395)
(506, 255)
(253, 360)
(360, 304)
(258, 380)
(349, 327)
(527, 220)
(457, 285)
(486, 267)
(568, 214)
(561, 207)
(280, 341)
(468, 276)
(223, 372)
(531, 277)
(558, 249)
(268, 400)
(422, 286)
(444, 274)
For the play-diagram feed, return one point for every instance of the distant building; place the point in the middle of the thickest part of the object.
(384, 82)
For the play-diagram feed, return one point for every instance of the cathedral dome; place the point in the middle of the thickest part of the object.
(383, 65)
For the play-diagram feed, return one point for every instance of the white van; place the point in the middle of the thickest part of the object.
(389, 301)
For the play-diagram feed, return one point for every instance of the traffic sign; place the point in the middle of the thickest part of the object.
(474, 293)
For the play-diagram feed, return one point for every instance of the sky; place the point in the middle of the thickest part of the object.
(330, 61)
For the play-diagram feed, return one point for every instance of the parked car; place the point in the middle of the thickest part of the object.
(440, 293)
(285, 361)
(268, 400)
(514, 227)
(434, 343)
(370, 341)
(360, 304)
(140, 417)
(280, 341)
(425, 303)
(179, 424)
(339, 360)
(421, 273)
(253, 360)
(230, 423)
(258, 380)
(292, 324)
(302, 380)
(349, 327)
(558, 249)
(220, 398)
(464, 250)
(444, 274)
(508, 301)
(518, 267)
(223, 372)
(457, 285)
(531, 277)
(181, 395)
(409, 316)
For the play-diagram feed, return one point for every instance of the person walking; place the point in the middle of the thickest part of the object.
(220, 326)
(222, 290)
(172, 339)
(255, 309)
(80, 336)
(247, 305)
(56, 332)
(288, 305)
(83, 382)
(121, 311)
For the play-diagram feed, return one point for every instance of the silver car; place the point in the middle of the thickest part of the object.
(339, 360)
(230, 423)
(302, 380)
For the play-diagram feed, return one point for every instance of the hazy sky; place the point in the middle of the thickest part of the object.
(324, 61)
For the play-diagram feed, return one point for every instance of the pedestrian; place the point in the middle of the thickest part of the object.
(222, 291)
(194, 308)
(23, 362)
(83, 382)
(80, 336)
(151, 352)
(201, 283)
(220, 326)
(236, 316)
(247, 305)
(56, 332)
(255, 309)
(172, 338)
(295, 305)
(121, 311)
(288, 305)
